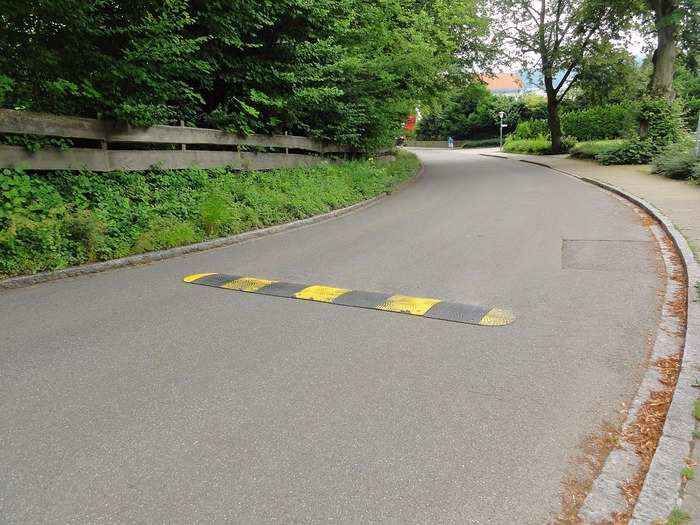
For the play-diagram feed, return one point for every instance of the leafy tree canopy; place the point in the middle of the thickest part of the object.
(344, 70)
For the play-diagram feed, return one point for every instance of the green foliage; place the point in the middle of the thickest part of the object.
(57, 219)
(344, 70)
(609, 75)
(162, 234)
(660, 123)
(482, 143)
(692, 110)
(537, 146)
(678, 517)
(34, 143)
(592, 149)
(531, 129)
(603, 122)
(677, 161)
(471, 113)
(215, 212)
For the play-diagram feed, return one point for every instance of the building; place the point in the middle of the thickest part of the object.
(509, 84)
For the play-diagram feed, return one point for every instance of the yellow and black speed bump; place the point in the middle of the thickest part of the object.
(405, 304)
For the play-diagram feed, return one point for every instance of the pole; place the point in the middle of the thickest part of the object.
(501, 132)
(697, 138)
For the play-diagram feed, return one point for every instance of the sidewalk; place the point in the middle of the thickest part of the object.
(678, 200)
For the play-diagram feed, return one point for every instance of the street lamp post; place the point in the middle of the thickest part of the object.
(501, 114)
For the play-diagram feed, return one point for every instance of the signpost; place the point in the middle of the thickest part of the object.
(501, 114)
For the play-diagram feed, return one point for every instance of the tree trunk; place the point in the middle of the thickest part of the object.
(553, 114)
(661, 84)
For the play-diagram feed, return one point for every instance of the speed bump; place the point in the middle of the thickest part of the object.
(405, 304)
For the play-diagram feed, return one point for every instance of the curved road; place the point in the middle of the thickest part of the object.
(131, 396)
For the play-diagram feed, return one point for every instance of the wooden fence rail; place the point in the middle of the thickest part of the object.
(102, 158)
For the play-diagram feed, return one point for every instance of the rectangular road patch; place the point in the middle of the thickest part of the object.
(405, 304)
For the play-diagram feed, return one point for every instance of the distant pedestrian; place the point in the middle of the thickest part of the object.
(450, 143)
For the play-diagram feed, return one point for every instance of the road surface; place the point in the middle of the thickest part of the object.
(130, 396)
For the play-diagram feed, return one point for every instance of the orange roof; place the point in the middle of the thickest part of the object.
(503, 82)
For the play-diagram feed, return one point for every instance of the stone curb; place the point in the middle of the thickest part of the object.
(661, 491)
(133, 260)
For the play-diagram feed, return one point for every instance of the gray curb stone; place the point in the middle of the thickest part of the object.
(661, 491)
(133, 260)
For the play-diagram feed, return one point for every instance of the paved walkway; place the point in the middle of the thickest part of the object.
(678, 200)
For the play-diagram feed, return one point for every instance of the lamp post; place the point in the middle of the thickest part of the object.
(501, 114)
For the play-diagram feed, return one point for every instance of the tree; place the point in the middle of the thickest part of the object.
(556, 36)
(676, 24)
(609, 76)
(343, 70)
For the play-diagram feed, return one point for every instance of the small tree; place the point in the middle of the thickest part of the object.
(555, 37)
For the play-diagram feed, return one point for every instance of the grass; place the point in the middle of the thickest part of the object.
(538, 146)
(592, 148)
(688, 473)
(677, 517)
(58, 219)
(696, 409)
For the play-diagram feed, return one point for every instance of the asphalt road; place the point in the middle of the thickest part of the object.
(130, 396)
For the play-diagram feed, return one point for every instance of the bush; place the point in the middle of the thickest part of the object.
(162, 234)
(677, 161)
(604, 122)
(537, 146)
(592, 148)
(482, 143)
(695, 174)
(531, 129)
(57, 219)
(692, 109)
(661, 124)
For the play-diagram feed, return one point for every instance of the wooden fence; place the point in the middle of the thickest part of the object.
(96, 137)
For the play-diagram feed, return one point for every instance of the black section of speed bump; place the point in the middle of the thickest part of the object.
(461, 313)
(281, 289)
(361, 299)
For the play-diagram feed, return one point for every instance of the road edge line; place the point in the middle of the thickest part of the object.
(22, 281)
(664, 475)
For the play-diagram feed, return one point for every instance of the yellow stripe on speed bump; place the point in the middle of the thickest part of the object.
(420, 306)
(496, 317)
(405, 304)
(246, 284)
(323, 294)
(195, 276)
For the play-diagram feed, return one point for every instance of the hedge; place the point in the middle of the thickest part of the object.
(603, 122)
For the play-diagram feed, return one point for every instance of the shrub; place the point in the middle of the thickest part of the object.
(531, 129)
(677, 161)
(215, 211)
(83, 228)
(56, 219)
(537, 146)
(695, 175)
(604, 122)
(482, 143)
(163, 234)
(592, 148)
(660, 123)
(692, 109)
